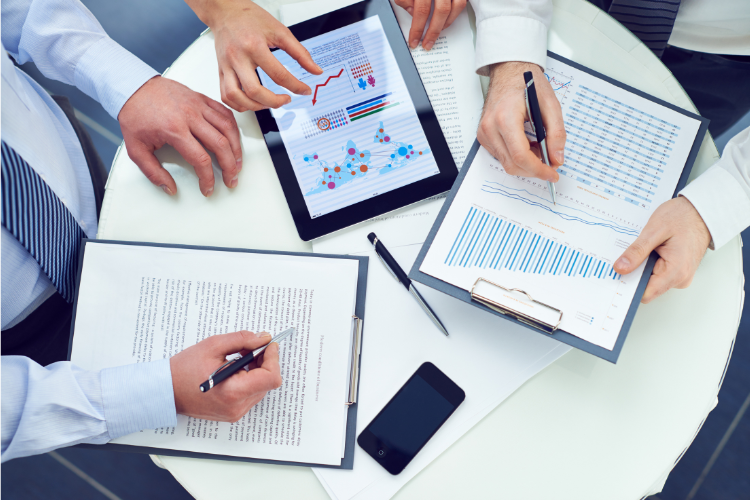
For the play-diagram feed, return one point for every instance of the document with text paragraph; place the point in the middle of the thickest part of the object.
(145, 303)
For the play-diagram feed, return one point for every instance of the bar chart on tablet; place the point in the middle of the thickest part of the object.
(357, 135)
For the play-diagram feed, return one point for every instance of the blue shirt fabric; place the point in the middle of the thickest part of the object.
(66, 43)
(44, 408)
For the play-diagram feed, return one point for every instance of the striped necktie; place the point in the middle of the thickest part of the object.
(34, 214)
(650, 20)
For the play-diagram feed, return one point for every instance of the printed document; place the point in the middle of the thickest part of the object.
(139, 303)
(624, 156)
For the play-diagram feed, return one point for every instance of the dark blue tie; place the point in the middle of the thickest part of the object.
(34, 214)
(650, 20)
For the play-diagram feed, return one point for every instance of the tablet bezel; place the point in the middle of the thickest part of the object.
(309, 228)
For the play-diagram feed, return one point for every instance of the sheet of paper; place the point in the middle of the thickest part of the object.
(623, 157)
(138, 304)
(487, 357)
(447, 71)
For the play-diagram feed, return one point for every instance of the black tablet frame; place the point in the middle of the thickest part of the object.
(309, 228)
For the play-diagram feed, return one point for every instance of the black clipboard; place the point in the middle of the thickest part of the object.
(558, 334)
(309, 227)
(347, 461)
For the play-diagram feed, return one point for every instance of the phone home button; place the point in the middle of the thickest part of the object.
(381, 452)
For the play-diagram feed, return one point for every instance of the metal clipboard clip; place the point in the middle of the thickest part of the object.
(354, 370)
(552, 317)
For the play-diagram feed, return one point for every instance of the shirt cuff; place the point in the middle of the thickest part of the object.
(137, 397)
(510, 38)
(721, 202)
(110, 74)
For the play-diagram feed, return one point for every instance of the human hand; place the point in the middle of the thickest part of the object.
(678, 234)
(446, 11)
(501, 129)
(244, 34)
(230, 400)
(162, 112)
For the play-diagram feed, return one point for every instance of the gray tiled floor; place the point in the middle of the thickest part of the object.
(718, 462)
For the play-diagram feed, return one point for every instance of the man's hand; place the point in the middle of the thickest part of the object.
(446, 11)
(162, 112)
(244, 34)
(678, 234)
(230, 400)
(501, 128)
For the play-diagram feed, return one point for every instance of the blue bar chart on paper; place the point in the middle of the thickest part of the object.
(487, 241)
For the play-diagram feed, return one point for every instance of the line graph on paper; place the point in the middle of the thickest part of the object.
(490, 242)
(560, 83)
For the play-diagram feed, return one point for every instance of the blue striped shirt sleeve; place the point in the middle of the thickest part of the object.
(67, 43)
(45, 408)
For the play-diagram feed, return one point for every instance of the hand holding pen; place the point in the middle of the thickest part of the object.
(501, 129)
(233, 398)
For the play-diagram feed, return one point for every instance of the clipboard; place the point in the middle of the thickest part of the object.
(547, 317)
(347, 461)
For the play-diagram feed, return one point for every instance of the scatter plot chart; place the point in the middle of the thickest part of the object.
(386, 156)
(490, 242)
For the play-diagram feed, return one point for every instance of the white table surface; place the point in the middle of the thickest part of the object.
(581, 429)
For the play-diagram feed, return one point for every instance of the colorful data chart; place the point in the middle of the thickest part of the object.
(325, 123)
(370, 107)
(616, 148)
(360, 67)
(490, 242)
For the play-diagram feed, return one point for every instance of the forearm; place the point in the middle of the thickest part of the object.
(511, 30)
(721, 195)
(45, 408)
(73, 48)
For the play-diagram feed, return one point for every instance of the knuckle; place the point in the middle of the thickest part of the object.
(638, 248)
(234, 94)
(443, 8)
(222, 142)
(517, 157)
(203, 160)
(422, 10)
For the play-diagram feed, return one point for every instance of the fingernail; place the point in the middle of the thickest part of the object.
(622, 263)
(239, 163)
(209, 191)
(410, 11)
(307, 92)
(560, 157)
(427, 46)
(319, 68)
(265, 335)
(413, 44)
(166, 189)
(233, 182)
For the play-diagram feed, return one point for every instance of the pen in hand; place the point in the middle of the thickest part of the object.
(231, 367)
(390, 263)
(537, 125)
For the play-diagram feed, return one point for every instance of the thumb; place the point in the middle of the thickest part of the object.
(639, 250)
(229, 343)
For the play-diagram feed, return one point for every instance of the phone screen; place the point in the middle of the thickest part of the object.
(411, 418)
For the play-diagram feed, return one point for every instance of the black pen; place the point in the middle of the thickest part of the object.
(535, 117)
(231, 367)
(398, 273)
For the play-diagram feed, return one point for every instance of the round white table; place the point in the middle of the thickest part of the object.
(582, 428)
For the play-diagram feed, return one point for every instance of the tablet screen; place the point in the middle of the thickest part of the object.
(358, 135)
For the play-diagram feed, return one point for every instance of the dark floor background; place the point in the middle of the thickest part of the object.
(715, 467)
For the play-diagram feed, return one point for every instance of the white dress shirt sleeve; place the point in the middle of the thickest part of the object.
(68, 44)
(722, 194)
(511, 30)
(44, 408)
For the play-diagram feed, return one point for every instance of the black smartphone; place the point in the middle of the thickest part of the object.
(411, 418)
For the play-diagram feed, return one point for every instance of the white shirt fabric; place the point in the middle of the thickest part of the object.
(68, 44)
(516, 30)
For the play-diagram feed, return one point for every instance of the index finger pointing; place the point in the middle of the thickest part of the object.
(289, 44)
(279, 74)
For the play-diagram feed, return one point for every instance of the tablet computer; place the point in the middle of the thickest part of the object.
(367, 140)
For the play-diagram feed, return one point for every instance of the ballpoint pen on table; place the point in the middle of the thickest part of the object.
(231, 367)
(390, 263)
(535, 117)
